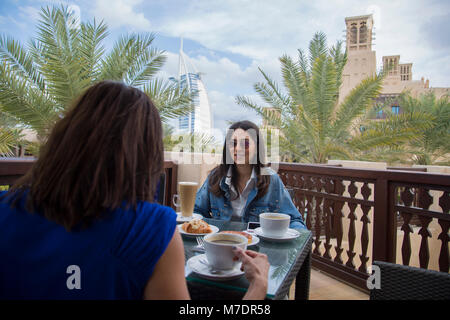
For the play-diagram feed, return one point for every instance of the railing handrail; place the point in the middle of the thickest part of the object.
(13, 168)
(431, 178)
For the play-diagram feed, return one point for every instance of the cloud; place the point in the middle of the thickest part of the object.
(223, 79)
(264, 30)
(256, 29)
(436, 31)
(121, 13)
(225, 110)
(29, 13)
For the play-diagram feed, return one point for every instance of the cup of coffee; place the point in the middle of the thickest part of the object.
(274, 224)
(219, 249)
(186, 197)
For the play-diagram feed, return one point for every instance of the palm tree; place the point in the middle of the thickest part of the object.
(39, 81)
(433, 145)
(313, 126)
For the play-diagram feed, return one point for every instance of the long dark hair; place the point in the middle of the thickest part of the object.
(218, 173)
(105, 152)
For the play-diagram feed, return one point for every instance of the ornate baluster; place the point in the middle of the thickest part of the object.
(339, 189)
(443, 236)
(318, 225)
(444, 202)
(407, 197)
(327, 211)
(300, 182)
(352, 189)
(406, 245)
(425, 199)
(282, 175)
(300, 198)
(364, 238)
(291, 179)
(424, 253)
(309, 212)
(366, 192)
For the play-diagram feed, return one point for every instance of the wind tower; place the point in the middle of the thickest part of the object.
(361, 59)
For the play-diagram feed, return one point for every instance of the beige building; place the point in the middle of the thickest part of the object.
(361, 63)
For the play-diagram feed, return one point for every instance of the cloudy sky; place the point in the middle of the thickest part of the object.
(228, 40)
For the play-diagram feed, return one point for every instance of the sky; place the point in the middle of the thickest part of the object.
(229, 40)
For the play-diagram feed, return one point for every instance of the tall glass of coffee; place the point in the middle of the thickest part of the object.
(186, 197)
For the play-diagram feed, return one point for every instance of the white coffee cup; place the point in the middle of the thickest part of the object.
(274, 224)
(219, 249)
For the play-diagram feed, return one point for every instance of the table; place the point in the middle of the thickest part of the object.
(288, 261)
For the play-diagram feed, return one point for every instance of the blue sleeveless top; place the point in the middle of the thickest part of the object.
(112, 259)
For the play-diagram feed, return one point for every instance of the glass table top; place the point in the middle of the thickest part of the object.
(281, 256)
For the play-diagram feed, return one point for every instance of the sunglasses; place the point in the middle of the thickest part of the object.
(244, 143)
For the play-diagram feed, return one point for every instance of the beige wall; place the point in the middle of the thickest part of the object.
(359, 66)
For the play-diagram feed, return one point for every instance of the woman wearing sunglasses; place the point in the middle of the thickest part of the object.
(242, 187)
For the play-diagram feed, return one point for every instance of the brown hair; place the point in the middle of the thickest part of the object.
(218, 173)
(107, 151)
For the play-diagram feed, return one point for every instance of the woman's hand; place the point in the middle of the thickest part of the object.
(256, 268)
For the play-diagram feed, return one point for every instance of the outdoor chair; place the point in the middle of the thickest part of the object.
(399, 282)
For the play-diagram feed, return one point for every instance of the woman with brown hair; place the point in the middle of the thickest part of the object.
(81, 224)
(242, 186)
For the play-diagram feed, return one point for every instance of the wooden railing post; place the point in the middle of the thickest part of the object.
(384, 222)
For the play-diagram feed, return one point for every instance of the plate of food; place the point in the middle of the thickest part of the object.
(252, 239)
(181, 218)
(196, 228)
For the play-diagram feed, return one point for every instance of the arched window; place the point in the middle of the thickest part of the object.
(353, 32)
(363, 33)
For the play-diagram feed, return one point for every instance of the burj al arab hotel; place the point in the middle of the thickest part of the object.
(200, 120)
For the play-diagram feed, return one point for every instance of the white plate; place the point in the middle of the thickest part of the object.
(255, 239)
(181, 219)
(291, 234)
(187, 234)
(198, 264)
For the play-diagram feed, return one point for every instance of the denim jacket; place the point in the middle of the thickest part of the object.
(277, 199)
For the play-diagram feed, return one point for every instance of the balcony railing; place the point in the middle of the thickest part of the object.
(13, 168)
(358, 216)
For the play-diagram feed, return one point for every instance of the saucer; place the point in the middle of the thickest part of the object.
(199, 265)
(214, 229)
(290, 234)
(181, 219)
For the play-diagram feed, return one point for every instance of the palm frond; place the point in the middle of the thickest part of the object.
(339, 59)
(356, 103)
(25, 103)
(393, 131)
(8, 141)
(13, 53)
(323, 88)
(65, 77)
(317, 47)
(272, 94)
(293, 81)
(91, 48)
(171, 100)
